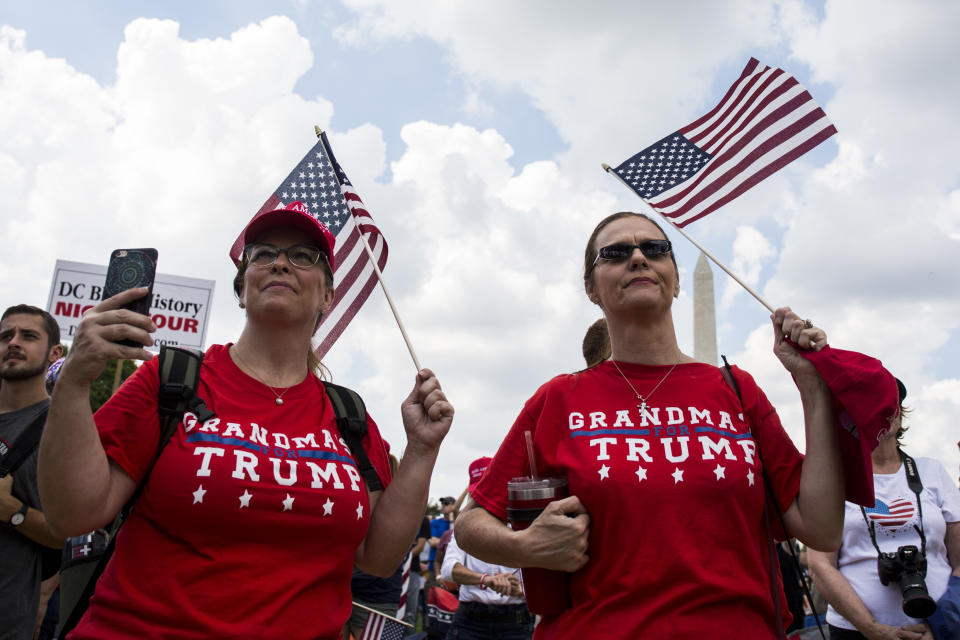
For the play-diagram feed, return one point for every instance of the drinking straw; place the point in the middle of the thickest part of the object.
(533, 464)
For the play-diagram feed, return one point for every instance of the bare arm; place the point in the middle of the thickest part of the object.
(557, 539)
(952, 540)
(816, 515)
(845, 601)
(396, 515)
(80, 489)
(34, 525)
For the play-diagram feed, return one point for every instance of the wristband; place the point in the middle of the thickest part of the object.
(483, 586)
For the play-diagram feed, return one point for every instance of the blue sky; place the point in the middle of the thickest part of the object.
(475, 136)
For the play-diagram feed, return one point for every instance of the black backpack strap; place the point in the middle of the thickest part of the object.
(352, 423)
(25, 445)
(179, 375)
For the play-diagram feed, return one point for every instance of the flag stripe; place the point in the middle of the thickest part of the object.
(322, 186)
(404, 586)
(354, 289)
(741, 158)
(764, 121)
(753, 111)
(753, 65)
(757, 89)
(760, 174)
(770, 123)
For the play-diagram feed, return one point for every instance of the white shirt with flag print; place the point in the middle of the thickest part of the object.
(895, 515)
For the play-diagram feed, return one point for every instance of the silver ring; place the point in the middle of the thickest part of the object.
(808, 324)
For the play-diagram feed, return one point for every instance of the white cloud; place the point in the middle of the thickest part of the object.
(485, 256)
(751, 250)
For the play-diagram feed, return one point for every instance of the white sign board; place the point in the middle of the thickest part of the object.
(180, 307)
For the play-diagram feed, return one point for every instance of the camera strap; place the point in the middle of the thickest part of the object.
(913, 481)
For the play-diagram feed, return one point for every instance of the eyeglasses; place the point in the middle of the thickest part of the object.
(302, 256)
(652, 249)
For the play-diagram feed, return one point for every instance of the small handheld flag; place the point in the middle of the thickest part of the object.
(765, 121)
(380, 626)
(322, 186)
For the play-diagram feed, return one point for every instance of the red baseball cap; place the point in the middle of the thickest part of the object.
(477, 468)
(295, 215)
(866, 397)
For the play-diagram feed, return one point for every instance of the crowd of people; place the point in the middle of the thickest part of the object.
(258, 519)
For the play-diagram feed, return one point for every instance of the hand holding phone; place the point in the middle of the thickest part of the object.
(129, 269)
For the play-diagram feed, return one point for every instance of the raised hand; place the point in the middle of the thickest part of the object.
(426, 413)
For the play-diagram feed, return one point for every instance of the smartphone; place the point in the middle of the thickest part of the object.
(129, 269)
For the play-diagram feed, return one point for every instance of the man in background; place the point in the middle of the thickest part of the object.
(29, 344)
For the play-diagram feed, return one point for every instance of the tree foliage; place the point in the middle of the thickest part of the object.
(102, 387)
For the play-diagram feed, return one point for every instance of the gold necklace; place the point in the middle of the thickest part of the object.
(257, 377)
(643, 400)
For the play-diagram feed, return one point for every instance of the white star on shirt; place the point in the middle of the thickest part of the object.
(719, 472)
(641, 474)
(198, 494)
(245, 499)
(604, 472)
(288, 503)
(328, 507)
(359, 511)
(677, 475)
(750, 477)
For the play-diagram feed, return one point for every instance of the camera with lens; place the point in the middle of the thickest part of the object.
(908, 567)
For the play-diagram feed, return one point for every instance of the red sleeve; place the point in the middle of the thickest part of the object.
(511, 460)
(129, 422)
(782, 462)
(376, 448)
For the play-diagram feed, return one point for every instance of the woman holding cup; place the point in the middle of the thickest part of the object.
(663, 531)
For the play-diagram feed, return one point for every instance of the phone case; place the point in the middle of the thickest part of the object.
(128, 269)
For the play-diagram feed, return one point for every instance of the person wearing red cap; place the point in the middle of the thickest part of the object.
(665, 529)
(861, 606)
(491, 596)
(250, 522)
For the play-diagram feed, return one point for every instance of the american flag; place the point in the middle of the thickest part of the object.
(381, 627)
(764, 122)
(320, 183)
(892, 515)
(405, 587)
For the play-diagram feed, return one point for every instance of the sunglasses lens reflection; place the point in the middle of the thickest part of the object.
(623, 251)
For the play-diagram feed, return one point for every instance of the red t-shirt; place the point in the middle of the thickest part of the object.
(248, 524)
(678, 546)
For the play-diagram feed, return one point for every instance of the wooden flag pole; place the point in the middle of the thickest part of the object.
(376, 269)
(743, 284)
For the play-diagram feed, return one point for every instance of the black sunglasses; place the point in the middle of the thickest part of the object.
(653, 249)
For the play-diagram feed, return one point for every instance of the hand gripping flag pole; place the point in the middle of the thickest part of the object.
(340, 176)
(686, 235)
(765, 121)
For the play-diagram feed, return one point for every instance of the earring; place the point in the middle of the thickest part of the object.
(243, 306)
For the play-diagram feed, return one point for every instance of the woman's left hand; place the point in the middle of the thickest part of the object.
(919, 631)
(426, 412)
(787, 324)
